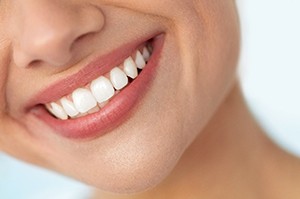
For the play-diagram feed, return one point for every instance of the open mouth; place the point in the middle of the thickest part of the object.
(95, 95)
(96, 100)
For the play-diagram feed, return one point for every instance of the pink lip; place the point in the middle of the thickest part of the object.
(116, 111)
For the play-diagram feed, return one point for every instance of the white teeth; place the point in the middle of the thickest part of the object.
(130, 68)
(139, 60)
(102, 89)
(83, 100)
(69, 107)
(118, 78)
(97, 94)
(146, 54)
(58, 111)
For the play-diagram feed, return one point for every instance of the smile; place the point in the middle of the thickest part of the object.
(94, 96)
(104, 94)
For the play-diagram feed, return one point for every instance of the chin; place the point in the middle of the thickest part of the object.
(129, 166)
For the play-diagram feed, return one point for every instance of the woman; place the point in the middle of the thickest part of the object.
(137, 98)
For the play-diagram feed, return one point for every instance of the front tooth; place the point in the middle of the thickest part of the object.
(146, 54)
(58, 111)
(102, 89)
(130, 68)
(118, 78)
(69, 107)
(139, 60)
(83, 100)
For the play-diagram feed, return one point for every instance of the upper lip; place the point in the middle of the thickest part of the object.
(96, 67)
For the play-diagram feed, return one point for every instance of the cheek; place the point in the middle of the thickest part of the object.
(210, 49)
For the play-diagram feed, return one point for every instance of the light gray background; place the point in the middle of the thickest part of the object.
(270, 66)
(270, 77)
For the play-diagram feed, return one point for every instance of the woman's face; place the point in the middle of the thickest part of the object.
(60, 57)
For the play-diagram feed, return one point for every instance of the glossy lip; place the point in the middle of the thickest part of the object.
(116, 111)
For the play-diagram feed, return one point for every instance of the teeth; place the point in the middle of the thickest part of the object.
(130, 68)
(118, 78)
(102, 89)
(83, 100)
(58, 111)
(139, 60)
(69, 107)
(146, 54)
(96, 95)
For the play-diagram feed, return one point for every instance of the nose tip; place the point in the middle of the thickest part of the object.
(49, 38)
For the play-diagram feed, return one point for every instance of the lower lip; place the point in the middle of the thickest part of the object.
(116, 112)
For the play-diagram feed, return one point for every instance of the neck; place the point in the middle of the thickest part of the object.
(230, 158)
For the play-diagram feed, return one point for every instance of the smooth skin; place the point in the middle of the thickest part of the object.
(199, 140)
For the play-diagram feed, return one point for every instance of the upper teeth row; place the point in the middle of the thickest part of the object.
(96, 94)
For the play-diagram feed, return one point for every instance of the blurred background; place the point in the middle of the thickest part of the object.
(270, 66)
(270, 77)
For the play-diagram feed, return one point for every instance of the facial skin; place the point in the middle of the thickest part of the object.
(196, 72)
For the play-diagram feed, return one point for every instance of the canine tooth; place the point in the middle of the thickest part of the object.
(146, 54)
(102, 89)
(139, 60)
(130, 68)
(69, 107)
(58, 111)
(83, 100)
(118, 78)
